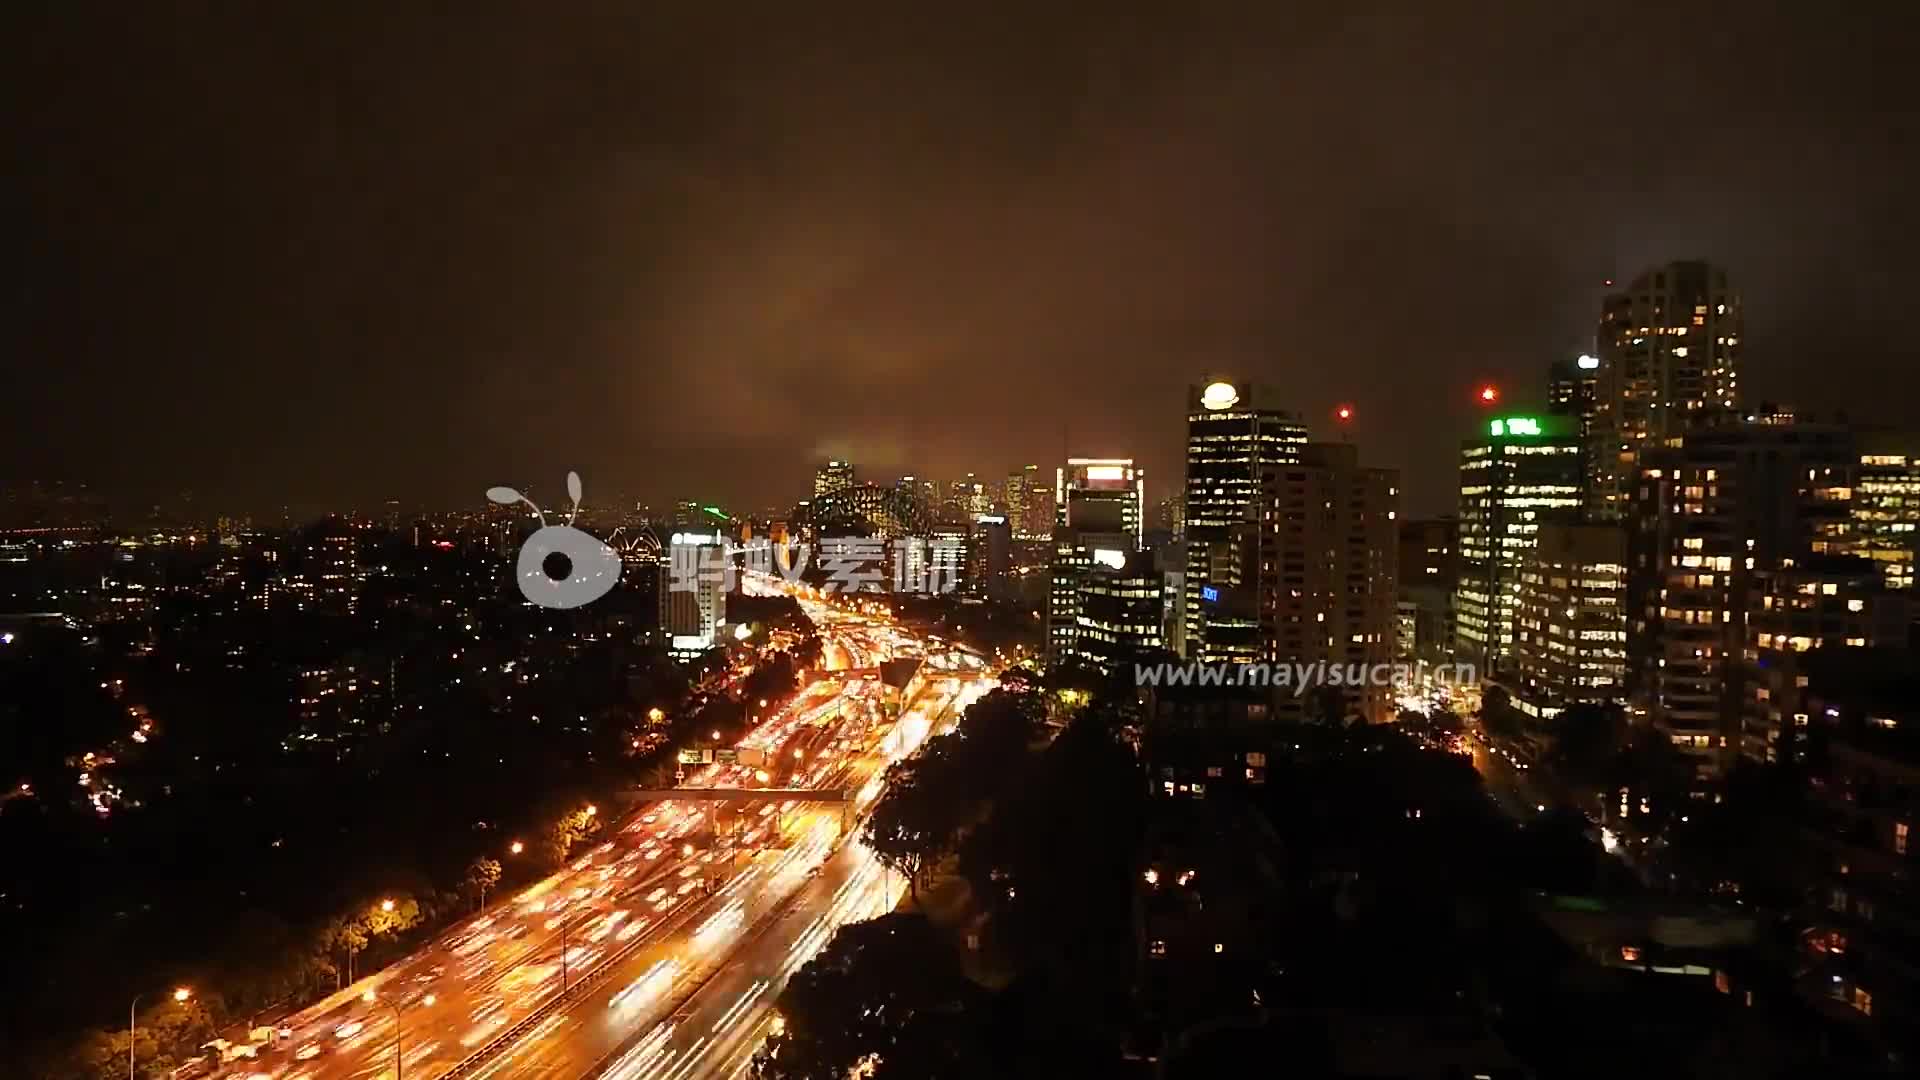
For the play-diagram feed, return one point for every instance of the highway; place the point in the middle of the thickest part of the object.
(680, 927)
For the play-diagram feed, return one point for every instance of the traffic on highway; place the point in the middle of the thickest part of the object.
(659, 953)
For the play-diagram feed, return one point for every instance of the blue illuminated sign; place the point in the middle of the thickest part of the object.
(1209, 593)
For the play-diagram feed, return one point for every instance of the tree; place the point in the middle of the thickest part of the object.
(916, 823)
(887, 992)
(482, 874)
(1650, 767)
(1586, 739)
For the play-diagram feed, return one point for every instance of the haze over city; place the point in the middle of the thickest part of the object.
(318, 258)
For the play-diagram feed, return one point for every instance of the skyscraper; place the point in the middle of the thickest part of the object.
(1096, 529)
(1102, 495)
(1014, 495)
(1326, 573)
(695, 605)
(831, 477)
(1029, 504)
(1573, 391)
(1669, 347)
(1233, 436)
(1524, 472)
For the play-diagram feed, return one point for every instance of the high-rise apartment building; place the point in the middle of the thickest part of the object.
(1669, 348)
(1234, 435)
(1524, 472)
(1326, 572)
(1570, 627)
(1710, 508)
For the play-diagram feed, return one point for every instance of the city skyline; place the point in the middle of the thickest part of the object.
(715, 544)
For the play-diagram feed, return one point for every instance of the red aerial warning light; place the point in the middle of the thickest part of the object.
(1489, 395)
(1343, 414)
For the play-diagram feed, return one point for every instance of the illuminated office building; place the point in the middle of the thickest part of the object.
(1120, 612)
(832, 477)
(1570, 627)
(1885, 509)
(1233, 436)
(694, 605)
(1669, 348)
(1103, 495)
(1522, 473)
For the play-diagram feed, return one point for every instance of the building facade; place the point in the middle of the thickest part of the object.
(1669, 349)
(831, 477)
(1885, 510)
(1233, 436)
(1809, 604)
(1327, 576)
(1570, 635)
(1710, 508)
(1121, 613)
(1523, 473)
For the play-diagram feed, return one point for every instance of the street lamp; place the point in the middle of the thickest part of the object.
(516, 847)
(180, 996)
(399, 1060)
(386, 905)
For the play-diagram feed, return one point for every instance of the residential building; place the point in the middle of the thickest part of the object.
(1429, 572)
(1327, 576)
(1860, 941)
(1809, 603)
(1669, 348)
(1710, 508)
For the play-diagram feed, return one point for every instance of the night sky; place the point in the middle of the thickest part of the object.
(327, 257)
